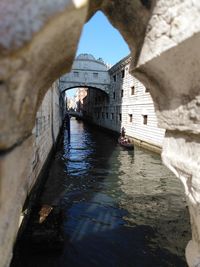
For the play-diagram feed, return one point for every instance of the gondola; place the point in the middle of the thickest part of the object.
(125, 142)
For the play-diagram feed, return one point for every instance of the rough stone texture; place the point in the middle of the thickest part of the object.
(171, 23)
(174, 81)
(38, 40)
(21, 167)
(181, 155)
(15, 170)
(34, 51)
(130, 18)
(169, 65)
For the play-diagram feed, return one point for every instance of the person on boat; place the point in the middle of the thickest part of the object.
(123, 132)
(123, 137)
(125, 140)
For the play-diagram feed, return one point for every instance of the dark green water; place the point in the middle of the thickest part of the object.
(121, 208)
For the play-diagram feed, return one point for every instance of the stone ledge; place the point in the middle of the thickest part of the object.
(145, 145)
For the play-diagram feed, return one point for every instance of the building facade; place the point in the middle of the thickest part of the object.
(27, 166)
(81, 93)
(45, 132)
(86, 72)
(128, 104)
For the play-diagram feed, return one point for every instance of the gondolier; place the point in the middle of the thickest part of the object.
(123, 141)
(123, 132)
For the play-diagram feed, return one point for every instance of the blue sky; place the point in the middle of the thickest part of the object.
(101, 39)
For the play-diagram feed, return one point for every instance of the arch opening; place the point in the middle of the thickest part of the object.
(26, 80)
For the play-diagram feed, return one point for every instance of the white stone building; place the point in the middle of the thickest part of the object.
(129, 104)
(86, 72)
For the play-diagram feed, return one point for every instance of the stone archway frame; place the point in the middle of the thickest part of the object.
(38, 43)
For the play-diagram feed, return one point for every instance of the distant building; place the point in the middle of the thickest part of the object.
(113, 98)
(128, 104)
(81, 93)
(70, 103)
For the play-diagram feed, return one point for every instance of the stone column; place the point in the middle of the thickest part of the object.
(169, 64)
(181, 153)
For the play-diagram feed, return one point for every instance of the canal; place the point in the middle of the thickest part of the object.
(119, 208)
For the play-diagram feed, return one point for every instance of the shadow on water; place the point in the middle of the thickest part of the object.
(120, 208)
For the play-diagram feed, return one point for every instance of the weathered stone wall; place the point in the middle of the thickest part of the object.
(45, 132)
(169, 64)
(21, 167)
(38, 40)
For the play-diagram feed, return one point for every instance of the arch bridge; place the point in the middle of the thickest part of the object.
(87, 72)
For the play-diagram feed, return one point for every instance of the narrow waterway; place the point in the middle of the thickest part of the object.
(121, 208)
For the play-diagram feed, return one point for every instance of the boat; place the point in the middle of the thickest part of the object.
(123, 141)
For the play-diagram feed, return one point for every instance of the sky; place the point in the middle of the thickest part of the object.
(102, 40)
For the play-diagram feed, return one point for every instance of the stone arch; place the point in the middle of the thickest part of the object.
(86, 71)
(164, 40)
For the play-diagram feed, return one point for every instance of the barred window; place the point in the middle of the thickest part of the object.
(145, 119)
(132, 90)
(123, 74)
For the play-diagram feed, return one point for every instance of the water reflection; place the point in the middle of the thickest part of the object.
(122, 208)
(153, 197)
(132, 194)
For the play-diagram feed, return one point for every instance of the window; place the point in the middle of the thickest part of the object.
(145, 118)
(147, 90)
(112, 116)
(130, 117)
(102, 114)
(120, 117)
(76, 74)
(122, 73)
(122, 93)
(113, 95)
(132, 90)
(95, 75)
(114, 78)
(106, 115)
